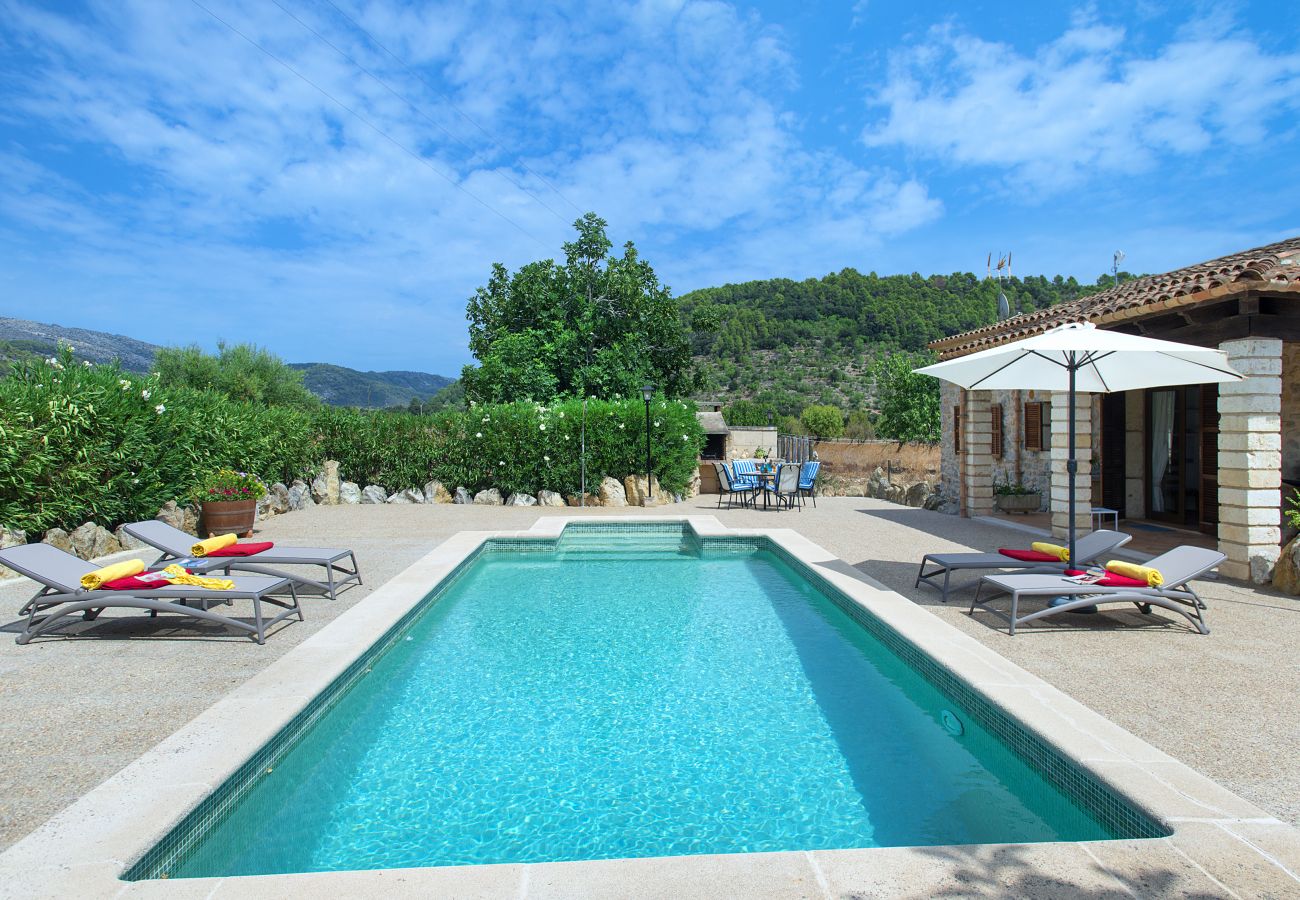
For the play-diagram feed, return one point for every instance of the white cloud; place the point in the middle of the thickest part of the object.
(217, 176)
(1083, 105)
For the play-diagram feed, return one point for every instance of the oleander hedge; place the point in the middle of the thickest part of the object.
(85, 442)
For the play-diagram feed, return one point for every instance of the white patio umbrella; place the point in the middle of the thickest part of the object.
(1081, 357)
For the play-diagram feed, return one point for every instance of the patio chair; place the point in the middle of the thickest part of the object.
(61, 595)
(1086, 549)
(1179, 567)
(745, 474)
(785, 490)
(808, 480)
(728, 488)
(175, 545)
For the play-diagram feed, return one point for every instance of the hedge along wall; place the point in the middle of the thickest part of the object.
(81, 443)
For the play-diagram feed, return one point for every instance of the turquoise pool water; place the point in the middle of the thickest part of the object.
(576, 705)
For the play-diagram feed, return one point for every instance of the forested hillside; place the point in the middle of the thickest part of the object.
(791, 343)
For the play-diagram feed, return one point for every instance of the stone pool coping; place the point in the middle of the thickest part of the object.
(1221, 844)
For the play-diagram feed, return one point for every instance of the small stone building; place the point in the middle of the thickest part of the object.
(1218, 459)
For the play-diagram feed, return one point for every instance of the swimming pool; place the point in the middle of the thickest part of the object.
(631, 691)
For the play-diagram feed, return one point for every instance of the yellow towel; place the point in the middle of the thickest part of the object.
(92, 581)
(1054, 549)
(177, 575)
(1151, 576)
(206, 546)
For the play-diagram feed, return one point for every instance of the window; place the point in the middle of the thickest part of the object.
(956, 429)
(1038, 426)
(995, 413)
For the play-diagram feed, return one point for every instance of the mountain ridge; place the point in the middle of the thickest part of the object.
(334, 384)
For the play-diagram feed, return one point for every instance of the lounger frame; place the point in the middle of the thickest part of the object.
(1176, 596)
(59, 600)
(1087, 548)
(175, 547)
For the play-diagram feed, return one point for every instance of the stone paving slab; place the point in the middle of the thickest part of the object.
(100, 702)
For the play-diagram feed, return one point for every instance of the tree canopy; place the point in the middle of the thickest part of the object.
(241, 372)
(908, 402)
(598, 325)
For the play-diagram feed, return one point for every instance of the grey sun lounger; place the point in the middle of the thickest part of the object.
(1086, 548)
(175, 545)
(1179, 567)
(62, 596)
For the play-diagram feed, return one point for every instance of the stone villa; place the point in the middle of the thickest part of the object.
(1217, 459)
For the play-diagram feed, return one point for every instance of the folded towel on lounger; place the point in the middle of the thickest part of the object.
(1029, 555)
(1061, 553)
(249, 549)
(207, 545)
(1152, 577)
(93, 581)
(1110, 579)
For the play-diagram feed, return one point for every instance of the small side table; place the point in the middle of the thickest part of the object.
(1100, 514)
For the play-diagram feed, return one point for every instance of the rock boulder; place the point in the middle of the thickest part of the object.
(373, 493)
(90, 541)
(462, 496)
(549, 498)
(612, 493)
(326, 489)
(172, 514)
(584, 500)
(1286, 573)
(127, 541)
(435, 492)
(10, 537)
(410, 495)
(300, 495)
(521, 500)
(917, 494)
(57, 537)
(349, 493)
(488, 497)
(634, 489)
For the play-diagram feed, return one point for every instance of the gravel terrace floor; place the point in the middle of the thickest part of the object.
(75, 711)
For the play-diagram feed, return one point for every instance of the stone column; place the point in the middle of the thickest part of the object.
(1250, 460)
(1060, 456)
(977, 451)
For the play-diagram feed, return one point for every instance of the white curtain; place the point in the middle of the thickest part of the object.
(1162, 438)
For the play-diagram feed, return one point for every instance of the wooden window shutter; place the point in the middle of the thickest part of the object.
(956, 428)
(1033, 426)
(995, 412)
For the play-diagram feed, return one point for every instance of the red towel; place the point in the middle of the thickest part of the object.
(249, 549)
(142, 582)
(1029, 555)
(1110, 579)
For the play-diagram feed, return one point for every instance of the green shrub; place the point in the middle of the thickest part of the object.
(80, 442)
(824, 420)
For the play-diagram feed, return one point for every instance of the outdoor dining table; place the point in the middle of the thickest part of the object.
(767, 479)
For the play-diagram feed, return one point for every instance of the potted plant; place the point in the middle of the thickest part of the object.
(228, 500)
(1010, 497)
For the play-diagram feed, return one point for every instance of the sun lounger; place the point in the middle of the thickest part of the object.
(1086, 549)
(61, 595)
(1179, 567)
(175, 545)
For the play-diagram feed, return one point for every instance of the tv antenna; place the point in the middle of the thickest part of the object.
(1114, 264)
(1004, 262)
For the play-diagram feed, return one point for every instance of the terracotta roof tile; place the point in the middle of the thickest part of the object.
(1275, 266)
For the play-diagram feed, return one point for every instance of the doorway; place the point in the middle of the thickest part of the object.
(1182, 426)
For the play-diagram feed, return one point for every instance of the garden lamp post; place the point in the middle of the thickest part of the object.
(647, 394)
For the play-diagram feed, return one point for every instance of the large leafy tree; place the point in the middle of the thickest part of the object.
(909, 403)
(598, 324)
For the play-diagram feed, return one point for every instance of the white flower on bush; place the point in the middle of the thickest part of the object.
(126, 385)
(685, 438)
(546, 459)
(487, 418)
(144, 394)
(86, 363)
(561, 414)
(478, 434)
(160, 409)
(501, 462)
(542, 427)
(656, 423)
(620, 426)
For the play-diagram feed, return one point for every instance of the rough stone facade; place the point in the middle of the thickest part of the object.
(1291, 412)
(1015, 464)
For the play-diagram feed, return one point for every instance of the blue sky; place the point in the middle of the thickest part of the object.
(333, 179)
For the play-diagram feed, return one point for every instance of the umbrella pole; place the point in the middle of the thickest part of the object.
(1071, 464)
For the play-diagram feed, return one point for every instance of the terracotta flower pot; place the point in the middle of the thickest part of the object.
(225, 516)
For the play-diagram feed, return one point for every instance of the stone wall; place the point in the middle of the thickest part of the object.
(745, 439)
(1031, 468)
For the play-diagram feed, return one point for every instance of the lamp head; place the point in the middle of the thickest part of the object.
(648, 392)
